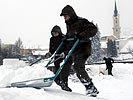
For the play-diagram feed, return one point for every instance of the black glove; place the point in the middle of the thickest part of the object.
(77, 36)
(64, 39)
(47, 55)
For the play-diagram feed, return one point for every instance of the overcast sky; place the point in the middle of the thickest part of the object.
(32, 20)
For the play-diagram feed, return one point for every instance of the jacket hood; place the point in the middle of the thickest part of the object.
(56, 29)
(68, 10)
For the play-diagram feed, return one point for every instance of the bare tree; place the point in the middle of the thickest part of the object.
(18, 46)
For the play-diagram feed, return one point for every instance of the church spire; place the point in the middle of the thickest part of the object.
(116, 23)
(115, 11)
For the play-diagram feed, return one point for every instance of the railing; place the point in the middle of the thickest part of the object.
(114, 62)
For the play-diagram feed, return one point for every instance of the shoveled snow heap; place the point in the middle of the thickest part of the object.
(117, 87)
(16, 70)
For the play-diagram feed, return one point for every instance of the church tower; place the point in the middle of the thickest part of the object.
(116, 23)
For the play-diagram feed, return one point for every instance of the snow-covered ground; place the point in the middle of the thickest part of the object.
(117, 87)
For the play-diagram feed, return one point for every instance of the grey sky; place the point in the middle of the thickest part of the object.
(32, 20)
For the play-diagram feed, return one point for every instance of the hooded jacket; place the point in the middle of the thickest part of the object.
(80, 28)
(55, 41)
(108, 62)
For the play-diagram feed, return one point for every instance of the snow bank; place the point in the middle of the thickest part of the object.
(13, 70)
(13, 63)
(117, 87)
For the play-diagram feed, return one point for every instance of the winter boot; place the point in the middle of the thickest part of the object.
(64, 86)
(91, 90)
(57, 81)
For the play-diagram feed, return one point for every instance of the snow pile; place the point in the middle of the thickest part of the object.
(13, 63)
(13, 70)
(117, 87)
(119, 70)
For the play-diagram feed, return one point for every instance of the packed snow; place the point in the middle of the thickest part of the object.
(117, 87)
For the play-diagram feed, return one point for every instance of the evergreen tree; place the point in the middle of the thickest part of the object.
(114, 50)
(96, 49)
(111, 49)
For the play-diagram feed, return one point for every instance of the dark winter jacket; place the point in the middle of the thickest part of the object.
(108, 62)
(81, 28)
(55, 41)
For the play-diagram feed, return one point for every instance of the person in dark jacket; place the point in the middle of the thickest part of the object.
(109, 66)
(82, 29)
(55, 41)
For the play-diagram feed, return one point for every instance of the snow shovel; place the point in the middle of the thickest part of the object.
(50, 80)
(51, 58)
(56, 52)
(38, 59)
(32, 82)
(45, 82)
(35, 83)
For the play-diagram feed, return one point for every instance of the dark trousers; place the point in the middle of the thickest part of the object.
(79, 66)
(109, 70)
(63, 76)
